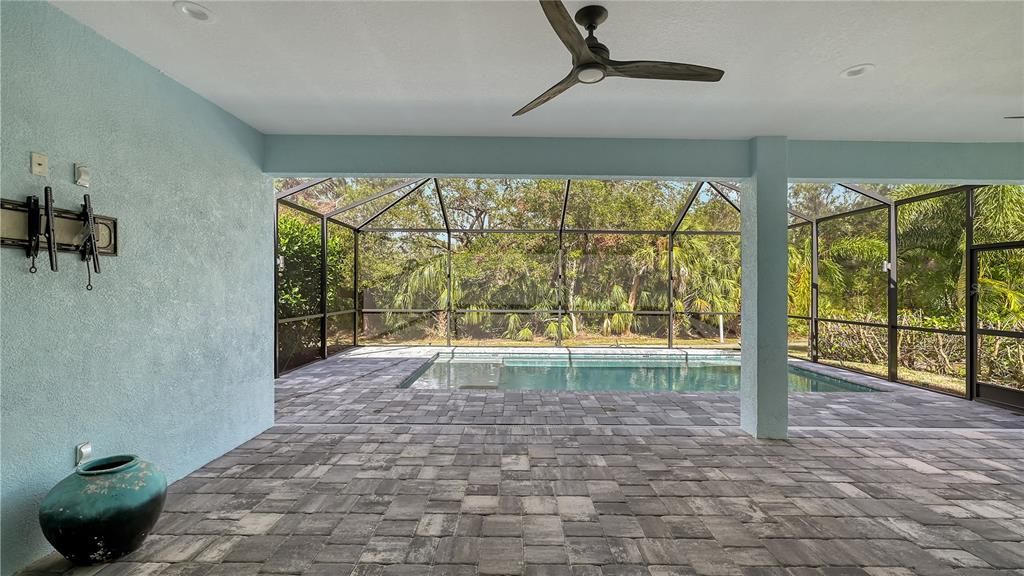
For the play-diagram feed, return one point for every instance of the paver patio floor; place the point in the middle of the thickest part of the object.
(361, 478)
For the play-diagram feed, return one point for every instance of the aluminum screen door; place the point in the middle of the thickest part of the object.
(997, 348)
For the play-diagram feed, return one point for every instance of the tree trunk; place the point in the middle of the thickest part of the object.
(571, 299)
(995, 359)
(947, 366)
(441, 324)
(634, 290)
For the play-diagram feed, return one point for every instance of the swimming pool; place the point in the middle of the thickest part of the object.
(603, 373)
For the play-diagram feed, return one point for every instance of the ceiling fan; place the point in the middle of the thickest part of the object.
(590, 61)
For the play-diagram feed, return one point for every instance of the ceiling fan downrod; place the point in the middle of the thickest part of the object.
(590, 17)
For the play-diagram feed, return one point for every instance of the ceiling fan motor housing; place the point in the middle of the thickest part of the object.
(597, 48)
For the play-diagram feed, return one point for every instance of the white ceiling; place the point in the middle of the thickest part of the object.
(946, 71)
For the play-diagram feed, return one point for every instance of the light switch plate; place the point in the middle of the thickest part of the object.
(40, 164)
(82, 175)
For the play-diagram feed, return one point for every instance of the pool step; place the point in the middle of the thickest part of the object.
(486, 386)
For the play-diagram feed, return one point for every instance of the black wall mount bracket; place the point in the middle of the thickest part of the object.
(69, 227)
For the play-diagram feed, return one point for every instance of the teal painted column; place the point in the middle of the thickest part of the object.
(764, 408)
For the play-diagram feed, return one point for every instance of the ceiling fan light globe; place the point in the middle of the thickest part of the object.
(591, 74)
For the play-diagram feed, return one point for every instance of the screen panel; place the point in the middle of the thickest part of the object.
(625, 204)
(337, 193)
(931, 262)
(505, 271)
(298, 263)
(503, 203)
(479, 328)
(706, 273)
(798, 344)
(817, 199)
(863, 348)
(615, 329)
(904, 191)
(340, 331)
(616, 272)
(403, 270)
(403, 328)
(317, 197)
(1001, 361)
(298, 343)
(933, 360)
(853, 283)
(714, 208)
(1001, 289)
(800, 277)
(340, 273)
(419, 209)
(999, 216)
(707, 330)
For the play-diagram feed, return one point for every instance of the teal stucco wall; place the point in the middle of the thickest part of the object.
(170, 357)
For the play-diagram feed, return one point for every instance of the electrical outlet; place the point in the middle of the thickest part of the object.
(83, 452)
(82, 175)
(40, 164)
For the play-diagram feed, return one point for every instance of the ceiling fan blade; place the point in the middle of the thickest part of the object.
(567, 31)
(563, 85)
(663, 70)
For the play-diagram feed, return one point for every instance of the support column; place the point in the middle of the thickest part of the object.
(764, 407)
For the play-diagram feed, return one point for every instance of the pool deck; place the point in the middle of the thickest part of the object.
(360, 477)
(361, 387)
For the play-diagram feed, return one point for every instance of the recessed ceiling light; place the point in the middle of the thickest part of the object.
(857, 71)
(194, 11)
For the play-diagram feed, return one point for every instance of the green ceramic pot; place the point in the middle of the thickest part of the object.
(104, 510)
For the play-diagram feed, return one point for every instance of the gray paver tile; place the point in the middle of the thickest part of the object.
(501, 556)
(588, 550)
(361, 476)
(576, 509)
(385, 550)
(621, 526)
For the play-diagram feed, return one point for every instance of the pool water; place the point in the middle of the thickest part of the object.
(604, 373)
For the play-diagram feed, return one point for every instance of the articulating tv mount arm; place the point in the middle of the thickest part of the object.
(89, 251)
